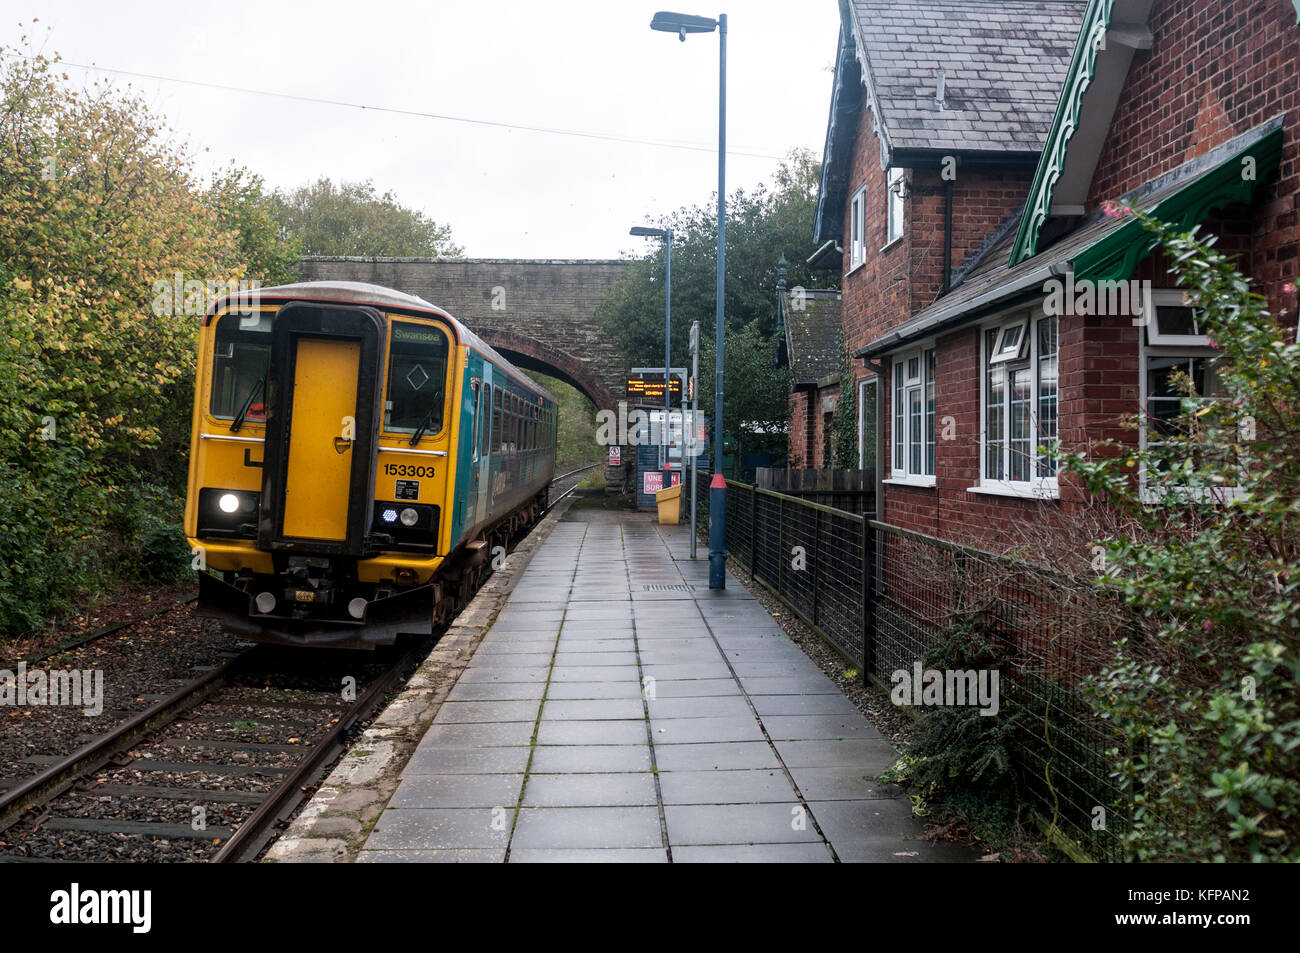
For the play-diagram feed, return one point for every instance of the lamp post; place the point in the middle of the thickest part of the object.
(682, 24)
(667, 235)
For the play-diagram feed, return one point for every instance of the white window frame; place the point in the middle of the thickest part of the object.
(1167, 298)
(1151, 344)
(906, 382)
(895, 191)
(1036, 487)
(1001, 352)
(858, 229)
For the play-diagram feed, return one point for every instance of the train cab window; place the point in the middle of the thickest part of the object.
(242, 359)
(417, 371)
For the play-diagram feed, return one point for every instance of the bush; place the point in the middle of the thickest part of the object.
(1206, 691)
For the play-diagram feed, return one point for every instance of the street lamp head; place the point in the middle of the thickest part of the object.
(641, 231)
(682, 23)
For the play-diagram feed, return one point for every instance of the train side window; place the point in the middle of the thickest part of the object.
(485, 427)
(417, 370)
(478, 422)
(498, 418)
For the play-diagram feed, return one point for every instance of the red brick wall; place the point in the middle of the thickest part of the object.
(801, 430)
(1217, 68)
(895, 282)
(808, 428)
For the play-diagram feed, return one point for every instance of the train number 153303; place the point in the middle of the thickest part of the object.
(402, 469)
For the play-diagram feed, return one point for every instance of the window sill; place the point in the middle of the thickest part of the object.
(920, 482)
(1024, 491)
(888, 245)
(856, 267)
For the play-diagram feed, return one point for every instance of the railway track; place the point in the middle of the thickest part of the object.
(207, 773)
(566, 479)
(210, 772)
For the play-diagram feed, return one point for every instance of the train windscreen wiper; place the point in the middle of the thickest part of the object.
(426, 421)
(248, 403)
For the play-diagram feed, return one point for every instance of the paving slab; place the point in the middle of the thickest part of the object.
(586, 827)
(727, 787)
(458, 790)
(593, 759)
(591, 790)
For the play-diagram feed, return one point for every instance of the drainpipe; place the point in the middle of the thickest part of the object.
(947, 237)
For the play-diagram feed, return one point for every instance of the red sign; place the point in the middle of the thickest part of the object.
(654, 482)
(615, 456)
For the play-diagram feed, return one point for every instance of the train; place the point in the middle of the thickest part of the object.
(359, 460)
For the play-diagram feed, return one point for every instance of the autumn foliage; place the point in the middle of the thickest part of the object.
(98, 202)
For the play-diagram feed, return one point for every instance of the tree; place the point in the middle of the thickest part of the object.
(761, 226)
(1205, 690)
(110, 252)
(352, 219)
(268, 252)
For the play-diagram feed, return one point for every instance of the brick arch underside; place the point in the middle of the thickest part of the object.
(529, 354)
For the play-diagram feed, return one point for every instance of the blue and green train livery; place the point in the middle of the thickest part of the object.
(357, 457)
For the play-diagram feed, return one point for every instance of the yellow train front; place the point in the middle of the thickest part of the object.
(357, 455)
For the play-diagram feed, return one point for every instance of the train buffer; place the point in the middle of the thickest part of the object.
(618, 710)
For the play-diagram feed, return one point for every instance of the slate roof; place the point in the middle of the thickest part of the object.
(992, 278)
(1003, 62)
(812, 335)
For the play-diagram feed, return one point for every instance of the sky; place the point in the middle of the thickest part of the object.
(590, 67)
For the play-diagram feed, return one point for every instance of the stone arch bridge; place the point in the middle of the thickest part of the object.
(540, 314)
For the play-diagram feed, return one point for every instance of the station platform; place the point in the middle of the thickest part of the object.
(618, 710)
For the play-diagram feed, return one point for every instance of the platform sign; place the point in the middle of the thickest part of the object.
(653, 481)
(645, 385)
(616, 456)
(650, 390)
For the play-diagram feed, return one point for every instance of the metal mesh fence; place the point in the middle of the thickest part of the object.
(909, 594)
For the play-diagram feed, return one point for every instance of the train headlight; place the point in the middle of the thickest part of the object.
(409, 517)
(228, 502)
(390, 516)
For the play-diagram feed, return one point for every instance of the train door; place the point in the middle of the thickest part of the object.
(324, 399)
(318, 471)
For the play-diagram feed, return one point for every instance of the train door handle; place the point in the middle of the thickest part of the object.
(342, 444)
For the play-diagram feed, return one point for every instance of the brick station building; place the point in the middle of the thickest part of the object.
(811, 320)
(971, 152)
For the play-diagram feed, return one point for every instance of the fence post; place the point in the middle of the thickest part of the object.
(780, 544)
(868, 598)
(753, 530)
